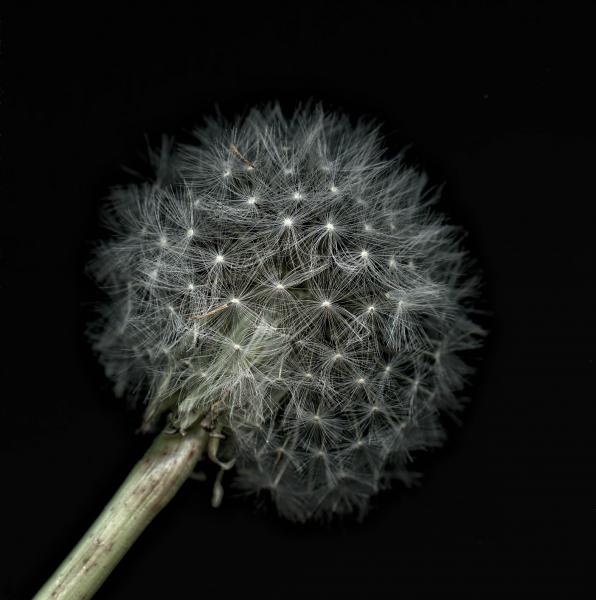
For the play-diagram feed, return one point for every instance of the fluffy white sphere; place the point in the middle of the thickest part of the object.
(285, 276)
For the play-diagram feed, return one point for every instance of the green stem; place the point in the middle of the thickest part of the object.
(152, 483)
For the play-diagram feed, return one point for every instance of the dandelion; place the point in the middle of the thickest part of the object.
(325, 331)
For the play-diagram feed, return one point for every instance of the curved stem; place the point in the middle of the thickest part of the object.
(152, 483)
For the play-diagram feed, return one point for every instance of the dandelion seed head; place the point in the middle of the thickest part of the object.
(327, 352)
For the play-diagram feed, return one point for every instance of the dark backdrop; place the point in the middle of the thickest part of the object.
(497, 102)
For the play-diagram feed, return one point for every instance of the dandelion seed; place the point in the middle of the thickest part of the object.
(288, 222)
(248, 165)
(209, 313)
(190, 233)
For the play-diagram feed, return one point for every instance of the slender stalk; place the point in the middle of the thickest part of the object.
(152, 483)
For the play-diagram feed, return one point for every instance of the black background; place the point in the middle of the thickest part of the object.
(497, 102)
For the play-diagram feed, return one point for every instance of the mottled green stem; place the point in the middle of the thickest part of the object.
(152, 483)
